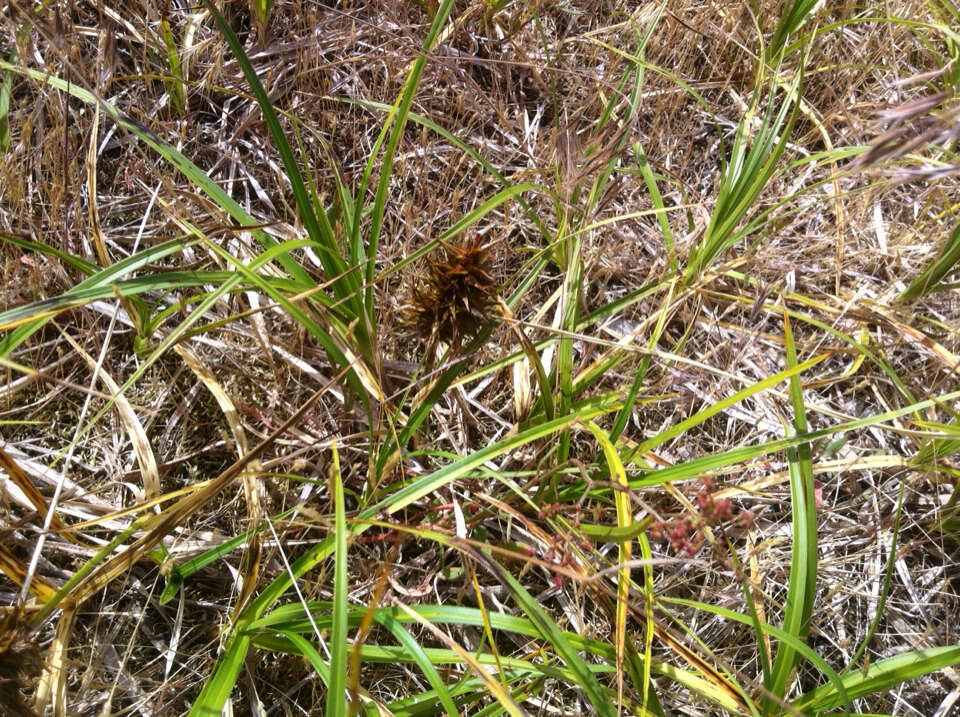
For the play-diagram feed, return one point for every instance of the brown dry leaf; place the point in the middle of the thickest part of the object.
(138, 437)
(23, 482)
(11, 566)
(842, 465)
(53, 681)
(251, 485)
(920, 339)
(93, 212)
(161, 525)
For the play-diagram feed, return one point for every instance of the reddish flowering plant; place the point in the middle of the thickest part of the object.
(685, 534)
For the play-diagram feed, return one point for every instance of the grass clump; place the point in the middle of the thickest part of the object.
(282, 433)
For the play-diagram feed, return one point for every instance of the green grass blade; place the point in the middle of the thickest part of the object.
(630, 400)
(336, 687)
(549, 630)
(178, 160)
(78, 263)
(386, 168)
(291, 617)
(419, 488)
(314, 219)
(6, 85)
(174, 84)
(700, 466)
(794, 16)
(625, 551)
(303, 647)
(801, 590)
(216, 690)
(415, 650)
(459, 144)
(836, 682)
(177, 573)
(880, 677)
(751, 166)
(102, 278)
(940, 268)
(705, 413)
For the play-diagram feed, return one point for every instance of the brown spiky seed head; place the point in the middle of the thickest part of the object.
(455, 298)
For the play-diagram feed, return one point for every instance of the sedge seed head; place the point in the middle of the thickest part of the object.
(455, 298)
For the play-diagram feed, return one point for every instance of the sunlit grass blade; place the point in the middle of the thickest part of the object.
(711, 410)
(314, 219)
(624, 521)
(238, 643)
(337, 705)
(178, 160)
(497, 690)
(939, 269)
(291, 617)
(5, 86)
(427, 704)
(641, 370)
(78, 263)
(176, 88)
(649, 696)
(31, 316)
(218, 686)
(303, 646)
(34, 316)
(699, 466)
(802, 587)
(549, 630)
(444, 696)
(880, 677)
(786, 638)
(386, 654)
(261, 9)
(791, 19)
(649, 179)
(763, 645)
(750, 167)
(177, 573)
(399, 121)
(461, 145)
(419, 488)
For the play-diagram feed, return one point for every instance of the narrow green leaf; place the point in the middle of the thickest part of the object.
(801, 590)
(931, 277)
(315, 222)
(549, 630)
(337, 685)
(836, 683)
(625, 551)
(216, 690)
(399, 121)
(881, 676)
(178, 160)
(174, 84)
(415, 650)
(6, 85)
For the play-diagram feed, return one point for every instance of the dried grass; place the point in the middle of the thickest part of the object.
(526, 92)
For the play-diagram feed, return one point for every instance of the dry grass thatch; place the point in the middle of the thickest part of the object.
(502, 352)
